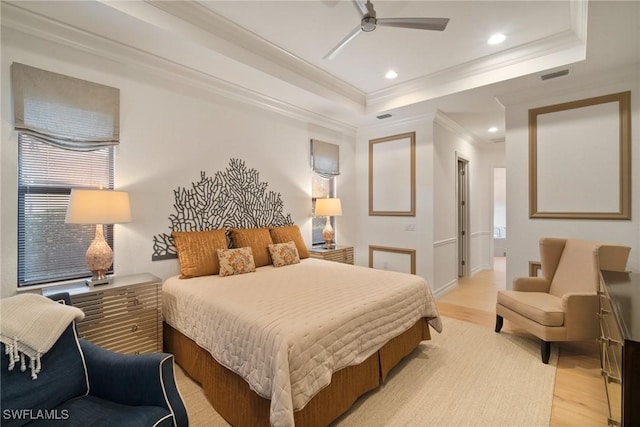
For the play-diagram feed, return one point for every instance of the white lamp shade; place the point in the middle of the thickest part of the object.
(328, 207)
(98, 207)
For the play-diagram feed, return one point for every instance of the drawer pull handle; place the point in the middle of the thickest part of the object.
(603, 313)
(609, 378)
(608, 341)
(134, 328)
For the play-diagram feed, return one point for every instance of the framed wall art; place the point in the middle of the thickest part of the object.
(394, 259)
(392, 175)
(580, 159)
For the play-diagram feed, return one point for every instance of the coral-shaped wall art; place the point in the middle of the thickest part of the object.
(233, 198)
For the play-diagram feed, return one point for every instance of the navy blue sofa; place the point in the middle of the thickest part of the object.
(82, 384)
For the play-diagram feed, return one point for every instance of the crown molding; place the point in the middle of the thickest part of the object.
(553, 51)
(299, 71)
(19, 19)
(454, 127)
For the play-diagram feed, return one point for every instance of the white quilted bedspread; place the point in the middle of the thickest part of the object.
(286, 330)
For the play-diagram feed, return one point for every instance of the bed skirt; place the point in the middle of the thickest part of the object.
(231, 397)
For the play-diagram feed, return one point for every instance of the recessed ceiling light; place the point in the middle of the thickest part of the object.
(497, 38)
(391, 74)
(493, 129)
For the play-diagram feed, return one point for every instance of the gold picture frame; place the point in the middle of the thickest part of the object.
(409, 252)
(392, 175)
(580, 159)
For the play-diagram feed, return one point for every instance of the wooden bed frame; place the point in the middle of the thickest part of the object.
(231, 397)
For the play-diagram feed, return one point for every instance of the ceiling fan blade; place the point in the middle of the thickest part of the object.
(361, 5)
(435, 24)
(352, 35)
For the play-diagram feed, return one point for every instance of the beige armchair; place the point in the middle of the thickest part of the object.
(561, 305)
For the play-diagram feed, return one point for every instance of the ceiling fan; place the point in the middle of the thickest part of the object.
(369, 22)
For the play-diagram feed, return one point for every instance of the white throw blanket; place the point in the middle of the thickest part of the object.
(29, 326)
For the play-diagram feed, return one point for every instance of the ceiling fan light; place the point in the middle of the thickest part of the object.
(496, 39)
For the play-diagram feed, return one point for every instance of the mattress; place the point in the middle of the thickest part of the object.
(287, 330)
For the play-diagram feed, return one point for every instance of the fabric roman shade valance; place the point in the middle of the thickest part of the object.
(64, 111)
(325, 158)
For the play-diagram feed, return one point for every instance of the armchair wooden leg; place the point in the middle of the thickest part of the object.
(499, 322)
(545, 350)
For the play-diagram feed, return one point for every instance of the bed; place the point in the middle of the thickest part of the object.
(298, 344)
(277, 338)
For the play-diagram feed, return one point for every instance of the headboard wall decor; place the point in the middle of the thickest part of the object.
(233, 198)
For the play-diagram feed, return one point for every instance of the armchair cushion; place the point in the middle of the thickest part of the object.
(531, 284)
(540, 307)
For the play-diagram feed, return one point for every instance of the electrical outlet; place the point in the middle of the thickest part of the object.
(385, 265)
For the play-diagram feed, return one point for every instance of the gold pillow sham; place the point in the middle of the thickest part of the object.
(258, 239)
(197, 251)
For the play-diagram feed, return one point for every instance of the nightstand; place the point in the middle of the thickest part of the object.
(343, 254)
(124, 316)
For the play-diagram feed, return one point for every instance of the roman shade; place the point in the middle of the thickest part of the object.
(325, 158)
(65, 111)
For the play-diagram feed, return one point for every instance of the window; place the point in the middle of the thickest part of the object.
(321, 187)
(48, 249)
(325, 163)
(66, 129)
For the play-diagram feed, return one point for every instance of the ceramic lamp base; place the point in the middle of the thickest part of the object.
(328, 234)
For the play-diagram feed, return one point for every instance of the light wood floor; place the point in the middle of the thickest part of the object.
(579, 397)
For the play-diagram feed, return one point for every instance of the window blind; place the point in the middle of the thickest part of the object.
(325, 158)
(48, 249)
(65, 111)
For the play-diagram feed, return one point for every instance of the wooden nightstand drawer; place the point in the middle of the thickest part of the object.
(124, 316)
(343, 254)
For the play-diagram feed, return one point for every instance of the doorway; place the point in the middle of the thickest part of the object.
(499, 212)
(463, 235)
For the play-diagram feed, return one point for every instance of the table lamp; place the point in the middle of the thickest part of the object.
(328, 207)
(92, 206)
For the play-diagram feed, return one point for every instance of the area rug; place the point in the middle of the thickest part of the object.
(466, 376)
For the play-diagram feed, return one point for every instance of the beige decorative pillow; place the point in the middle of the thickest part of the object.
(288, 233)
(236, 261)
(197, 251)
(257, 238)
(284, 254)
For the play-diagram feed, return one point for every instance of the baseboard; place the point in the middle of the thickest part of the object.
(446, 288)
(479, 268)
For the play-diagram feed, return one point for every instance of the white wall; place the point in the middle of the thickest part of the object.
(451, 142)
(524, 233)
(390, 231)
(438, 139)
(171, 131)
